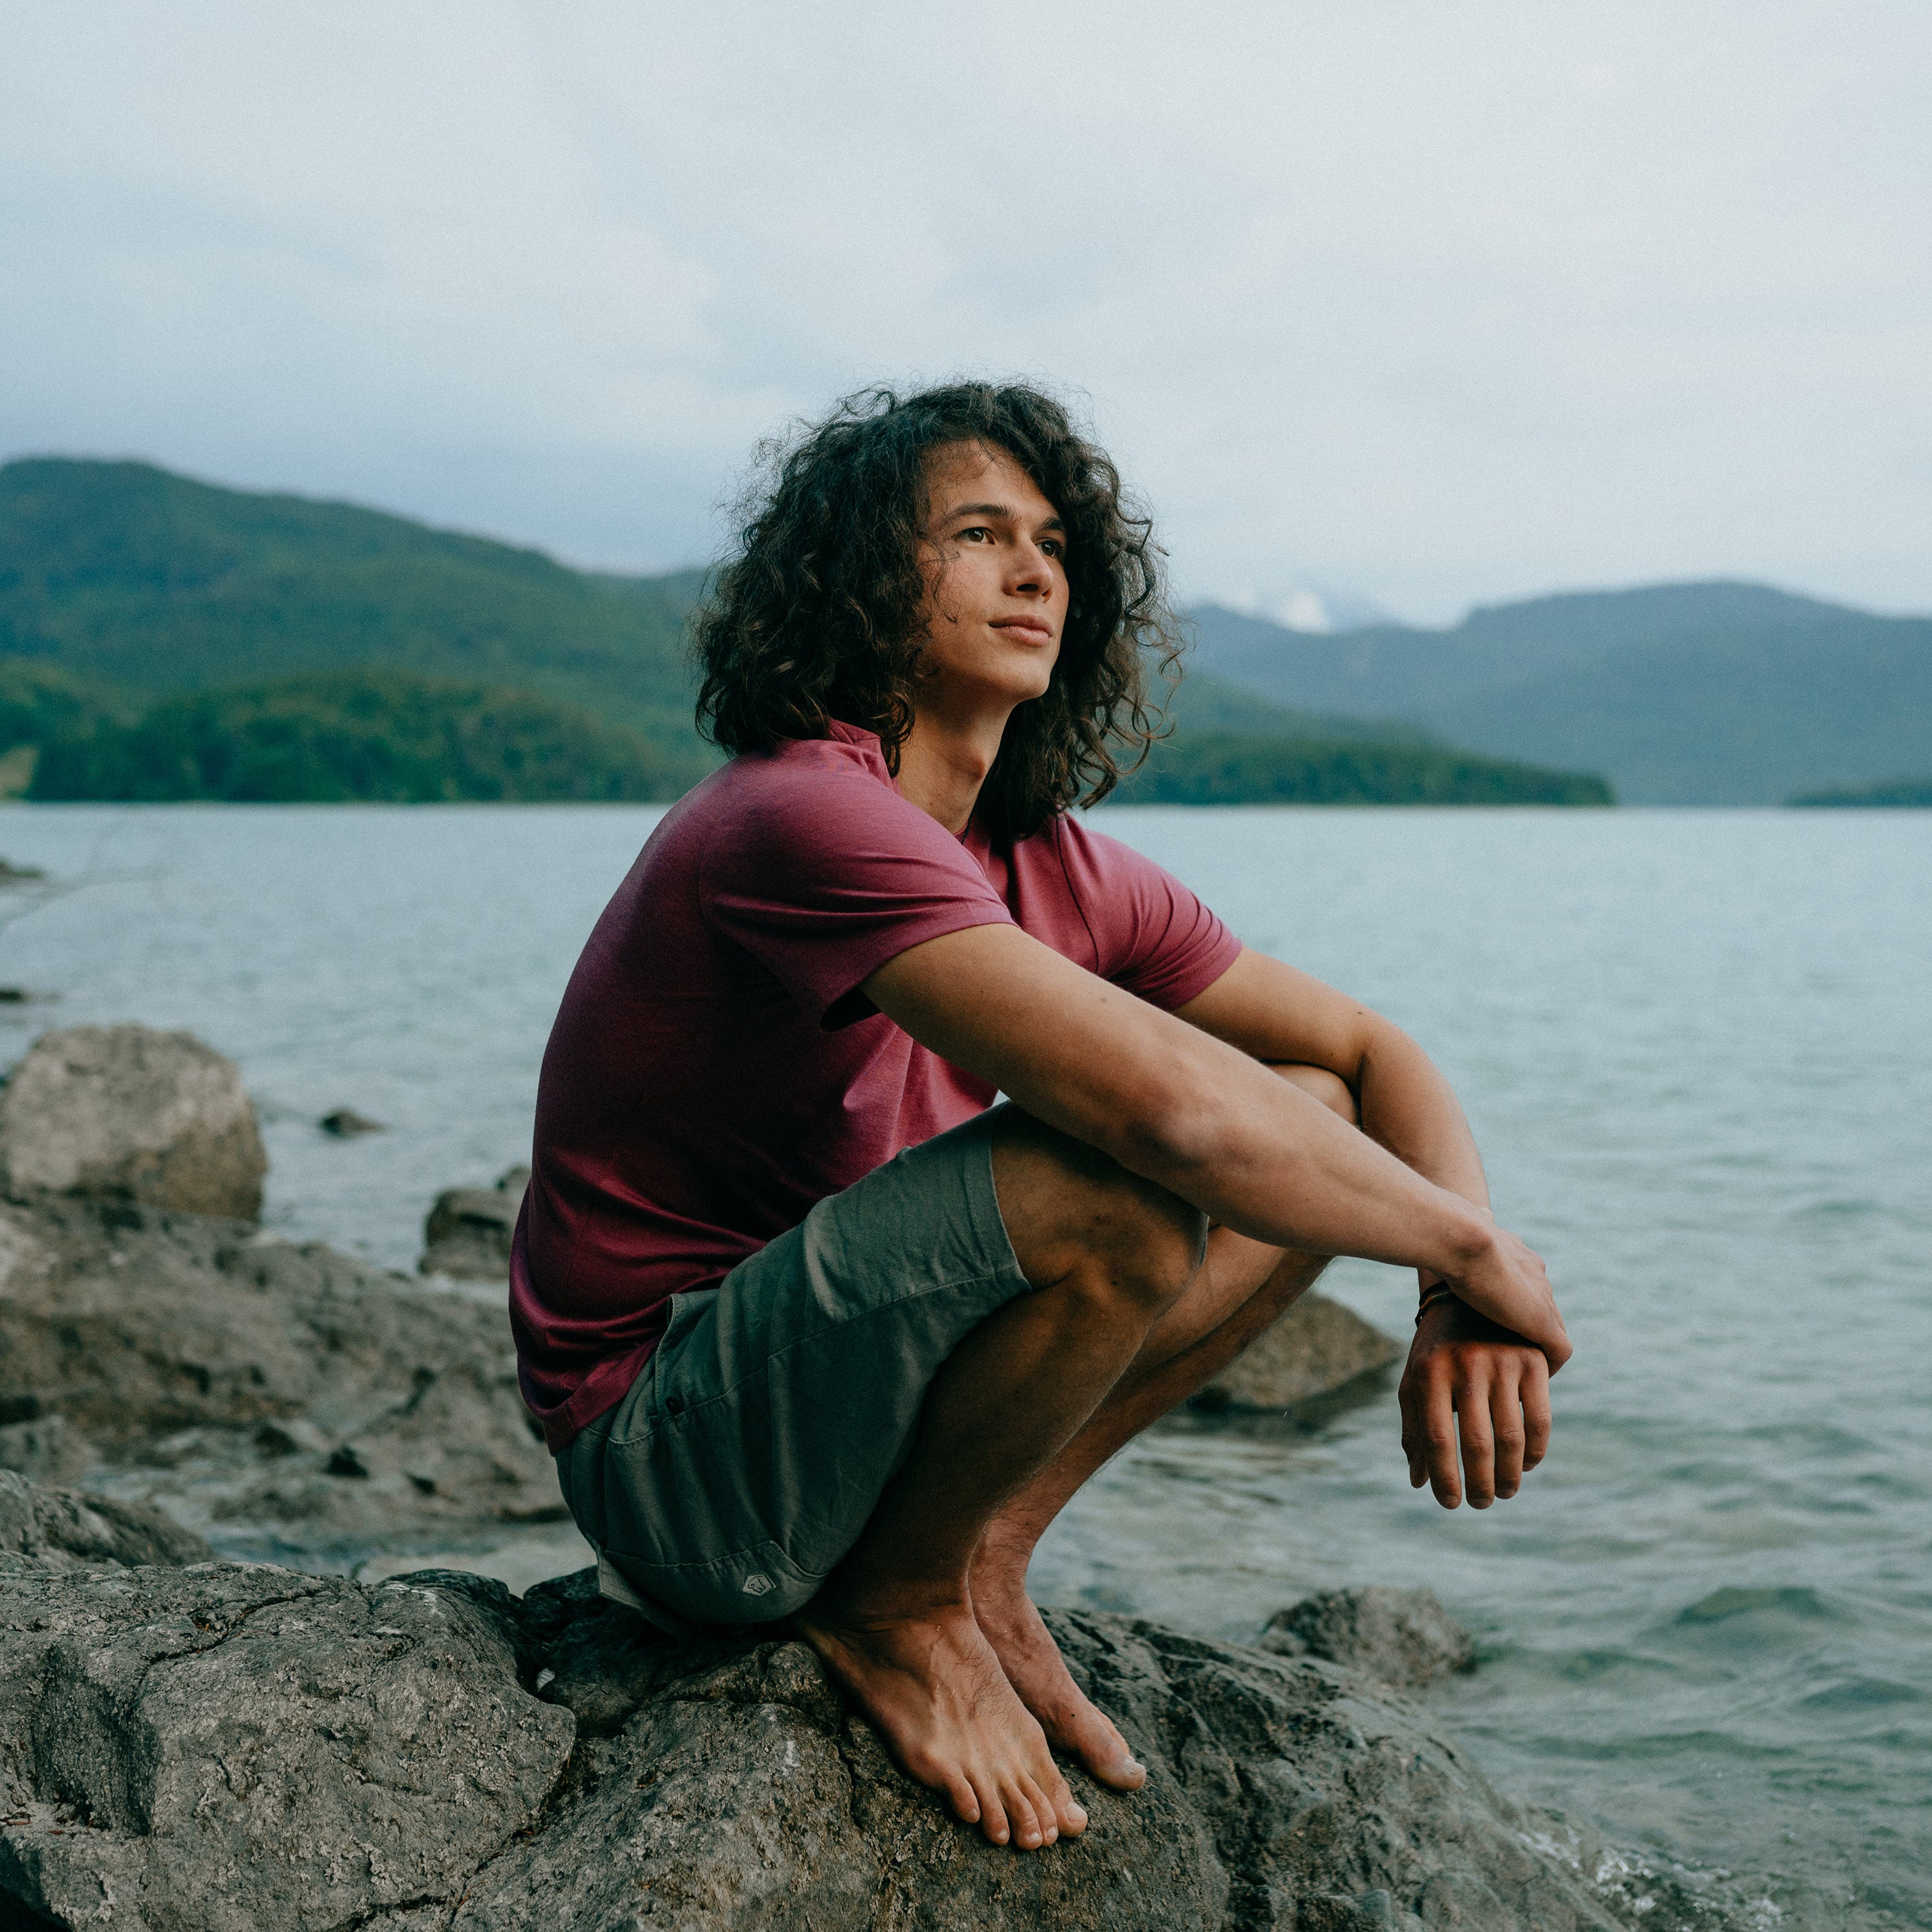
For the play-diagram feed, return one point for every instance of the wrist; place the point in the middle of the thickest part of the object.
(1465, 1240)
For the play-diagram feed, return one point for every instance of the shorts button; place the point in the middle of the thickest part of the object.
(674, 1404)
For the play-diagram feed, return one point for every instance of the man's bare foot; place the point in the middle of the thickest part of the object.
(1035, 1668)
(932, 1684)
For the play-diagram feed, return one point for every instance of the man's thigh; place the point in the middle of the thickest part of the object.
(750, 1453)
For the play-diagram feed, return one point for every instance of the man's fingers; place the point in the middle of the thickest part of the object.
(1479, 1447)
(1438, 1437)
(1475, 1410)
(1413, 1403)
(1506, 1423)
(1535, 1411)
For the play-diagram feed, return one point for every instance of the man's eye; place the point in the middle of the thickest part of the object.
(977, 530)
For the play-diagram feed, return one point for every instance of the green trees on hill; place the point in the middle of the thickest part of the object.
(380, 736)
(1894, 792)
(1224, 768)
(124, 574)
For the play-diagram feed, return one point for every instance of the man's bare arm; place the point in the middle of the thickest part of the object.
(1275, 1012)
(1202, 1117)
(1470, 1386)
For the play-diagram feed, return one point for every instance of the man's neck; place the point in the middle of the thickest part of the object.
(944, 761)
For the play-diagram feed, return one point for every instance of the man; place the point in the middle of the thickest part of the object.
(818, 1330)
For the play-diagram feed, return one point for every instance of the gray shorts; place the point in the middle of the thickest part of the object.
(749, 1453)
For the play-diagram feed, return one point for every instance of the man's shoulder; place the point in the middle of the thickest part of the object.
(771, 788)
(812, 809)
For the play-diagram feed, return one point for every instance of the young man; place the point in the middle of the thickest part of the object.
(818, 1330)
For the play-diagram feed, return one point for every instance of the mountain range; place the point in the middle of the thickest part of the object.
(122, 585)
(1687, 694)
(165, 638)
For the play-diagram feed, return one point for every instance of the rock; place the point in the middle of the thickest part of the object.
(46, 1449)
(125, 1113)
(345, 1123)
(1316, 1349)
(224, 1748)
(1404, 1637)
(61, 1529)
(240, 1749)
(234, 1368)
(467, 1234)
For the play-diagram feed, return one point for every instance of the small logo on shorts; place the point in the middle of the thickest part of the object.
(757, 1583)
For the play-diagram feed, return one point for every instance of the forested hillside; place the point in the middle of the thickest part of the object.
(1699, 693)
(359, 734)
(1229, 768)
(164, 638)
(124, 574)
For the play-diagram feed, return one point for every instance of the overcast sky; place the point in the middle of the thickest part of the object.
(1431, 303)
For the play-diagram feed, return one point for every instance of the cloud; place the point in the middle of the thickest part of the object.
(1432, 304)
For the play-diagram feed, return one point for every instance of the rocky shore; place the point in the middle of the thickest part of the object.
(192, 1744)
(235, 1748)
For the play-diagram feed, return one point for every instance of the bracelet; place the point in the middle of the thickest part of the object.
(1441, 1291)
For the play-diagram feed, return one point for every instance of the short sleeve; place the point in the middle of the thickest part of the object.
(822, 873)
(1152, 934)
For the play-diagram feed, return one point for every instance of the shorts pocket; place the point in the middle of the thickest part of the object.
(682, 1375)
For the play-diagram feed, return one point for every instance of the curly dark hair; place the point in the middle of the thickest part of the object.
(817, 615)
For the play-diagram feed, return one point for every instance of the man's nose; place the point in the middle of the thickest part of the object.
(1033, 569)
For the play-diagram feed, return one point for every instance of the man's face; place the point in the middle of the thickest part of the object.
(995, 558)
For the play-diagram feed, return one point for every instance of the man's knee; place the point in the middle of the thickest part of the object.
(1318, 1084)
(1075, 1216)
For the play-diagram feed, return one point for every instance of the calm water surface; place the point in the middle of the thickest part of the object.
(1697, 1050)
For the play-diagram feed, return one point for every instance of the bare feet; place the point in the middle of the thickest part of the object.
(932, 1684)
(1035, 1668)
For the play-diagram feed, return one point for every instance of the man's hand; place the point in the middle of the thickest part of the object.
(1505, 1279)
(1473, 1384)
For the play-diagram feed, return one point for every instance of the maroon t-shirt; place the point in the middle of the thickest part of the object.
(715, 1068)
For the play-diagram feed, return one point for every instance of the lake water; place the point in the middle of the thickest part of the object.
(1697, 1050)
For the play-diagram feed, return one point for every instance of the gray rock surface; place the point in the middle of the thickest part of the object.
(264, 1383)
(64, 1530)
(220, 1748)
(126, 1113)
(468, 1231)
(1404, 1637)
(1316, 1349)
(233, 1749)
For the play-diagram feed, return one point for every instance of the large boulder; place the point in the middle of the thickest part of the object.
(1316, 1350)
(468, 1231)
(289, 1388)
(237, 1750)
(125, 1113)
(224, 1748)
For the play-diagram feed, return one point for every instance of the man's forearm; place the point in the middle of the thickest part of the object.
(1408, 1106)
(1267, 1160)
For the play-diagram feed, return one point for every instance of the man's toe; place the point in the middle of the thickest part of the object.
(1033, 1819)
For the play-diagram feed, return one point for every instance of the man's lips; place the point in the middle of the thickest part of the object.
(1034, 630)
